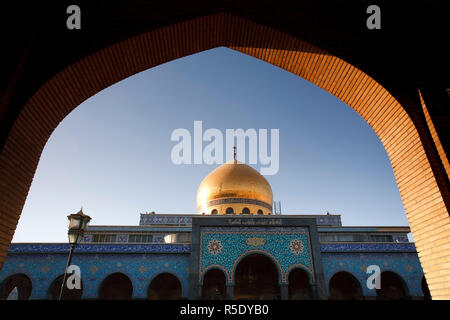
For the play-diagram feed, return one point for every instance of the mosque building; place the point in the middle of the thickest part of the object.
(235, 247)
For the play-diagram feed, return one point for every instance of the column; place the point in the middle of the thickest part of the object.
(284, 290)
(230, 291)
(315, 292)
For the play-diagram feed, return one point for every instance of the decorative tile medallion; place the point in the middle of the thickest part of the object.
(296, 246)
(214, 247)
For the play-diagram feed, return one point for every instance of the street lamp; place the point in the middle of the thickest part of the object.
(77, 226)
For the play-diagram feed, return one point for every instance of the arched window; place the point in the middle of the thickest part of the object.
(229, 211)
(246, 211)
(260, 211)
(256, 278)
(165, 286)
(116, 286)
(392, 287)
(344, 286)
(16, 287)
(214, 211)
(299, 287)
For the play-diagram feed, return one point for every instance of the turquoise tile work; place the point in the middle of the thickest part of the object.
(224, 249)
(404, 264)
(141, 268)
(220, 247)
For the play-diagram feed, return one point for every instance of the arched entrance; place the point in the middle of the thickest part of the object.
(214, 287)
(392, 287)
(68, 294)
(299, 286)
(164, 287)
(344, 286)
(16, 287)
(116, 286)
(412, 150)
(256, 277)
(425, 289)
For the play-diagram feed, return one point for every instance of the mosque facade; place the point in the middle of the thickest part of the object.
(235, 247)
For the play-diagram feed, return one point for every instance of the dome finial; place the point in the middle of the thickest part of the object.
(234, 153)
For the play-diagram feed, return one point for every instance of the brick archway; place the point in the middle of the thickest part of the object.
(425, 201)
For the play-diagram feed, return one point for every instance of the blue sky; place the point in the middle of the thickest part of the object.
(111, 155)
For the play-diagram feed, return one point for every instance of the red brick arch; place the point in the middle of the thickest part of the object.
(423, 201)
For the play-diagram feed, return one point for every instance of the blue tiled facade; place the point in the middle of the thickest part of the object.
(96, 263)
(221, 246)
(404, 264)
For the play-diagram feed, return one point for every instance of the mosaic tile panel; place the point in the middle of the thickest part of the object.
(43, 269)
(405, 264)
(224, 250)
(221, 246)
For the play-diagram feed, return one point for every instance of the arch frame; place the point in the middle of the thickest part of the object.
(169, 272)
(402, 280)
(24, 272)
(302, 267)
(129, 277)
(406, 140)
(360, 287)
(232, 276)
(19, 274)
(212, 267)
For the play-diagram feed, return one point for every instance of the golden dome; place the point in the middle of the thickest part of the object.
(237, 186)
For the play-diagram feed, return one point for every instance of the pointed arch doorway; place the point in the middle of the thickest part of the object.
(256, 278)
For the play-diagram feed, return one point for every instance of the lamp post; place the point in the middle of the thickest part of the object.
(77, 226)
